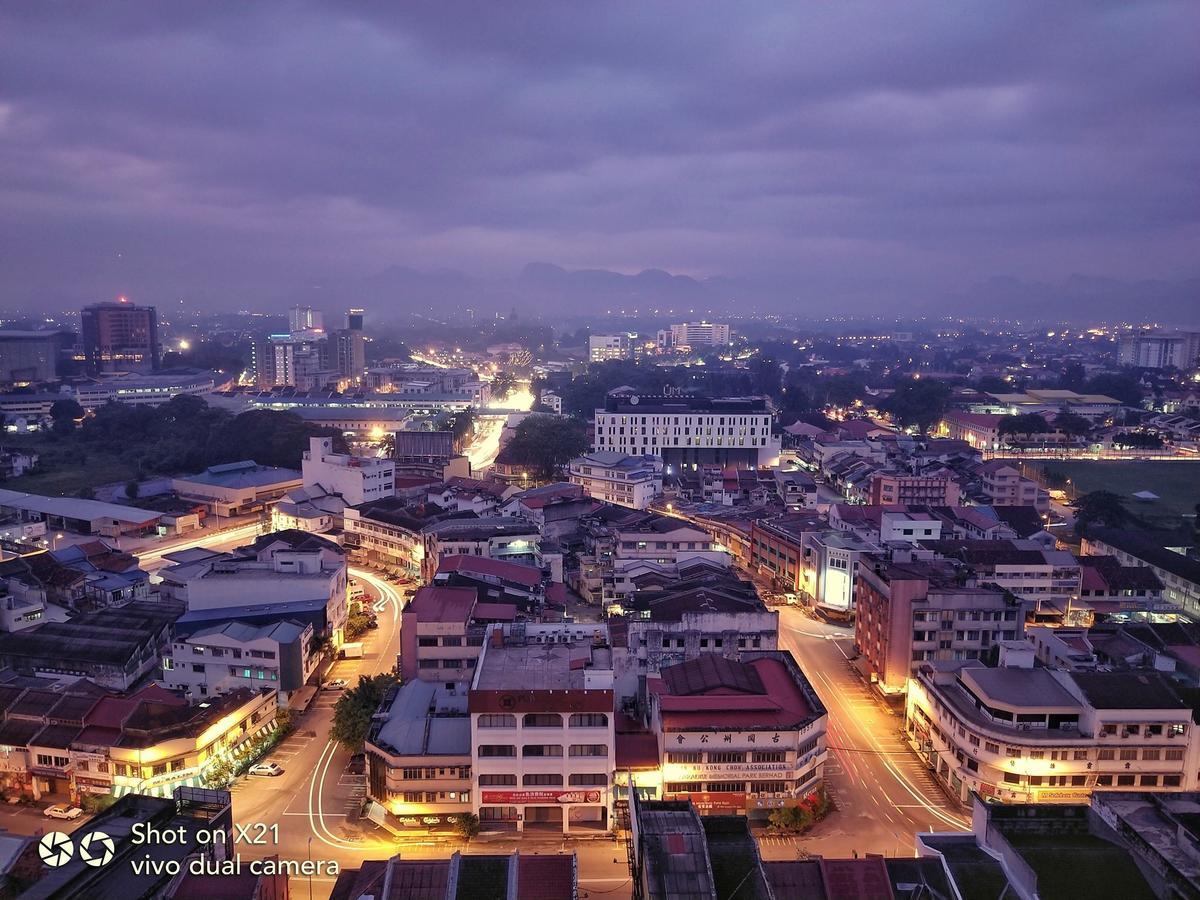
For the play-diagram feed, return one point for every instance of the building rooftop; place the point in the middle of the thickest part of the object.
(1128, 690)
(1150, 547)
(674, 851)
(533, 667)
(426, 719)
(1026, 688)
(767, 690)
(486, 567)
(243, 474)
(442, 604)
(74, 508)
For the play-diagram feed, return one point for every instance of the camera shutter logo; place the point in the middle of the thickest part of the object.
(56, 849)
(97, 849)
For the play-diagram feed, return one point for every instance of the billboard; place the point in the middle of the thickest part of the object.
(515, 798)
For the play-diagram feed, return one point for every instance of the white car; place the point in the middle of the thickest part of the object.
(269, 769)
(62, 811)
(338, 684)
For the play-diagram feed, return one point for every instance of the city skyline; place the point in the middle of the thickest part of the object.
(777, 159)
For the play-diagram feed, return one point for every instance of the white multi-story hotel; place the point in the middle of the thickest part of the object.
(1034, 735)
(542, 736)
(358, 479)
(602, 347)
(699, 334)
(632, 481)
(689, 431)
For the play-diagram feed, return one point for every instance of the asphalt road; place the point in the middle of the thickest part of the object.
(884, 794)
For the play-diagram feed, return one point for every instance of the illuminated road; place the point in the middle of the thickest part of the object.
(151, 558)
(883, 792)
(486, 443)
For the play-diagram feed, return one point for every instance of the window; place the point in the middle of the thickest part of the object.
(1103, 781)
(497, 780)
(497, 720)
(1081, 754)
(769, 787)
(548, 779)
(1012, 778)
(587, 750)
(542, 750)
(1128, 753)
(588, 779)
(427, 642)
(726, 757)
(1148, 781)
(1172, 781)
(1151, 753)
(497, 750)
(768, 756)
(589, 720)
(726, 787)
(1125, 781)
(1173, 753)
(991, 748)
(686, 757)
(683, 787)
(1078, 780)
(1105, 753)
(542, 720)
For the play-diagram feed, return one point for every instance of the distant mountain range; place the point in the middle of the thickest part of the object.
(542, 287)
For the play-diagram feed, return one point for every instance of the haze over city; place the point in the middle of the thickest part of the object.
(786, 157)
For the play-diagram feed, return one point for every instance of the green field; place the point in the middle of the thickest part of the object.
(65, 467)
(1177, 484)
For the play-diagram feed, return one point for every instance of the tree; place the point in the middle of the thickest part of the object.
(546, 443)
(65, 413)
(1025, 425)
(918, 403)
(1100, 507)
(467, 825)
(1074, 376)
(1118, 385)
(1072, 424)
(357, 624)
(354, 709)
(502, 384)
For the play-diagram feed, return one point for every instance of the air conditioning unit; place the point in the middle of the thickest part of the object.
(781, 794)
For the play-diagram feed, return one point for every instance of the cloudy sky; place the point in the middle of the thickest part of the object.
(231, 152)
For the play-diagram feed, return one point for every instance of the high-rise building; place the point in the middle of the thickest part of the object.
(27, 357)
(120, 337)
(1160, 349)
(305, 318)
(351, 346)
(699, 334)
(294, 360)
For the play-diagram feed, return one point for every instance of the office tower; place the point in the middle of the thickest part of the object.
(120, 337)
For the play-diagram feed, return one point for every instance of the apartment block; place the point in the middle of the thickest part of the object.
(913, 612)
(632, 481)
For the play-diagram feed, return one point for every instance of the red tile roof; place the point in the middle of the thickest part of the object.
(722, 693)
(518, 573)
(442, 604)
(545, 877)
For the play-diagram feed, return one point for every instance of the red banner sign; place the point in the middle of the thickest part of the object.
(514, 798)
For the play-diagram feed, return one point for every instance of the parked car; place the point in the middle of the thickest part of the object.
(62, 811)
(268, 769)
(337, 684)
(357, 764)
